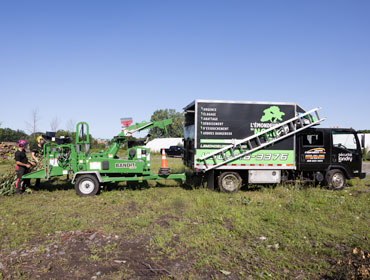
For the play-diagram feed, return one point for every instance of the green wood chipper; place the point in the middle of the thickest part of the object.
(89, 171)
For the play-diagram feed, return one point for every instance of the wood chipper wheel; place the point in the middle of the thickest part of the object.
(87, 185)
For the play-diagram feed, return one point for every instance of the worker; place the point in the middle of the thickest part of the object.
(23, 165)
(37, 154)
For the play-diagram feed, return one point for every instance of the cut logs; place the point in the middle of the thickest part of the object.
(7, 150)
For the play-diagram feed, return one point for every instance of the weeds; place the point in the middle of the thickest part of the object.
(270, 233)
(365, 154)
(7, 183)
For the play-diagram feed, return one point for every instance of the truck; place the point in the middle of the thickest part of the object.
(175, 151)
(91, 170)
(235, 143)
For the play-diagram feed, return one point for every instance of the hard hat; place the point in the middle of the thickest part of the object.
(38, 139)
(21, 143)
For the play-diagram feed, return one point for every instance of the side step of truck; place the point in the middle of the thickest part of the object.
(258, 141)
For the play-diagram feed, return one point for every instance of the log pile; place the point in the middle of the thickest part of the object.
(7, 150)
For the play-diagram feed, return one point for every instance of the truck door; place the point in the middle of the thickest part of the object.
(346, 151)
(313, 150)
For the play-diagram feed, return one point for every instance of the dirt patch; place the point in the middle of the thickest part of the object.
(132, 207)
(361, 192)
(228, 224)
(85, 255)
(355, 265)
(164, 221)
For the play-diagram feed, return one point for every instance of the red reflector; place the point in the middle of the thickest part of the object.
(47, 171)
(126, 122)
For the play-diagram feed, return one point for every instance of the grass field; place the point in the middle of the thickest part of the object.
(173, 231)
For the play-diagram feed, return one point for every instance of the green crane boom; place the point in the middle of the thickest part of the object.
(129, 131)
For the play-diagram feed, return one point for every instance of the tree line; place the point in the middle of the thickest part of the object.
(11, 135)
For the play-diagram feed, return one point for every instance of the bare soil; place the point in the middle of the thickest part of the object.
(97, 255)
(87, 255)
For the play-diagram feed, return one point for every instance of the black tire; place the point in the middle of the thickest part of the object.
(335, 180)
(229, 182)
(87, 185)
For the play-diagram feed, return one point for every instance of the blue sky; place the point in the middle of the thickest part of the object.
(98, 61)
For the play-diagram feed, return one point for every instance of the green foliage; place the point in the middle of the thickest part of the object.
(7, 183)
(8, 177)
(10, 135)
(174, 130)
(363, 131)
(365, 154)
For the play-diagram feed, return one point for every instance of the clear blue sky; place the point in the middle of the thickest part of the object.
(98, 61)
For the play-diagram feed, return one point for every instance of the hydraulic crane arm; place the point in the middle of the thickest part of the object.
(129, 131)
(145, 125)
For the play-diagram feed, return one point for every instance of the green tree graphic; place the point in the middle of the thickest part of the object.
(272, 114)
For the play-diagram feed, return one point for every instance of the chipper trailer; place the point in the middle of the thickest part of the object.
(91, 170)
(265, 143)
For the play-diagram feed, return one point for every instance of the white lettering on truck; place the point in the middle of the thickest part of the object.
(345, 157)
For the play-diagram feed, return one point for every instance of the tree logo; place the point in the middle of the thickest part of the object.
(272, 114)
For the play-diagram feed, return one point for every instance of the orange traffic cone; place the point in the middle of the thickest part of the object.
(164, 160)
(164, 170)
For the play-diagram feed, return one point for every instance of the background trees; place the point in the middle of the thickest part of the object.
(10, 135)
(174, 130)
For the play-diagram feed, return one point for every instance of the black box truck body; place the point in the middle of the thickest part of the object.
(266, 142)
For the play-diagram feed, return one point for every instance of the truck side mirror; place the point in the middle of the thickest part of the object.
(363, 141)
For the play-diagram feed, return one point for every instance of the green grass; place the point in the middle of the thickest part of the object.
(6, 165)
(268, 233)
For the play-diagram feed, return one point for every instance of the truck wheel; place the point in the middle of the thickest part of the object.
(87, 185)
(229, 182)
(335, 179)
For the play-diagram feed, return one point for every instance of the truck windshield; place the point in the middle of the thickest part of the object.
(344, 140)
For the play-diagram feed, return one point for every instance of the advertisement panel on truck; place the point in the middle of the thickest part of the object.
(220, 123)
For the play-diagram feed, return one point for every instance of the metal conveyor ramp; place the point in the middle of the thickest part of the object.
(260, 140)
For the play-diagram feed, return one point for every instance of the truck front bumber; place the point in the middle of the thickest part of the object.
(362, 175)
